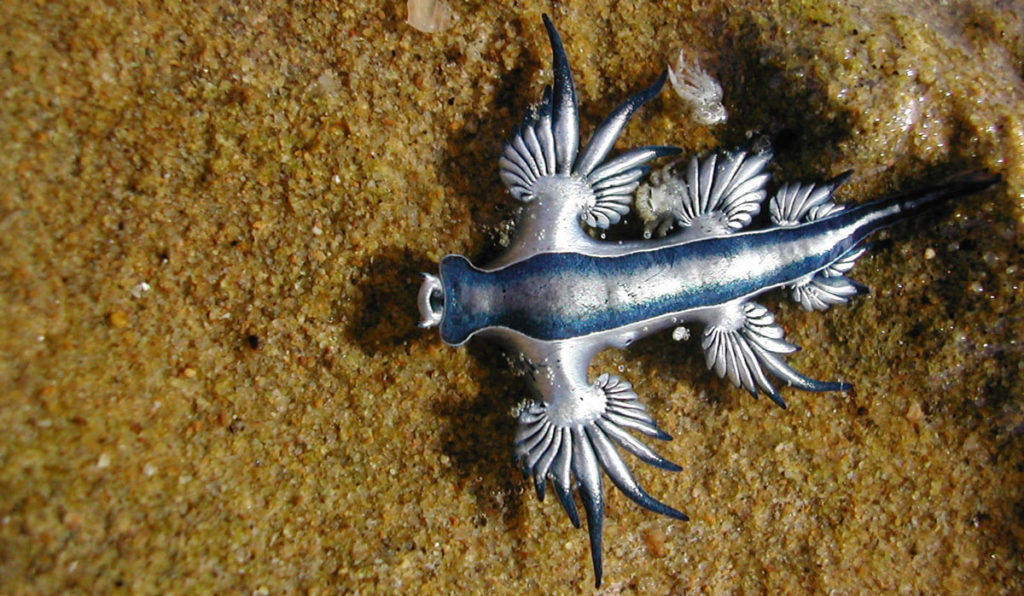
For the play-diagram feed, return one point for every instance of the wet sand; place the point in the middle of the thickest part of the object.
(213, 219)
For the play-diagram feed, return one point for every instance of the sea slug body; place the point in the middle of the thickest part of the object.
(558, 295)
(698, 89)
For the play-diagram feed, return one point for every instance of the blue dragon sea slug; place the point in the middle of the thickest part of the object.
(559, 295)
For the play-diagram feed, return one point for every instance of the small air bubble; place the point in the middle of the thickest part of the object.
(139, 289)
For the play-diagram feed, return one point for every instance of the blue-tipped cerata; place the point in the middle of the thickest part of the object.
(559, 295)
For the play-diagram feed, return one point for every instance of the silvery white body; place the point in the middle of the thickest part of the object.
(558, 296)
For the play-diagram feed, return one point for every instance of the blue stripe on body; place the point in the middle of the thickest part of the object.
(554, 296)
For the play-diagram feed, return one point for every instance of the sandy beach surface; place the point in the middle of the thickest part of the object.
(212, 221)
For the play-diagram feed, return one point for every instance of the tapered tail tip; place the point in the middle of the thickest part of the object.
(972, 182)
